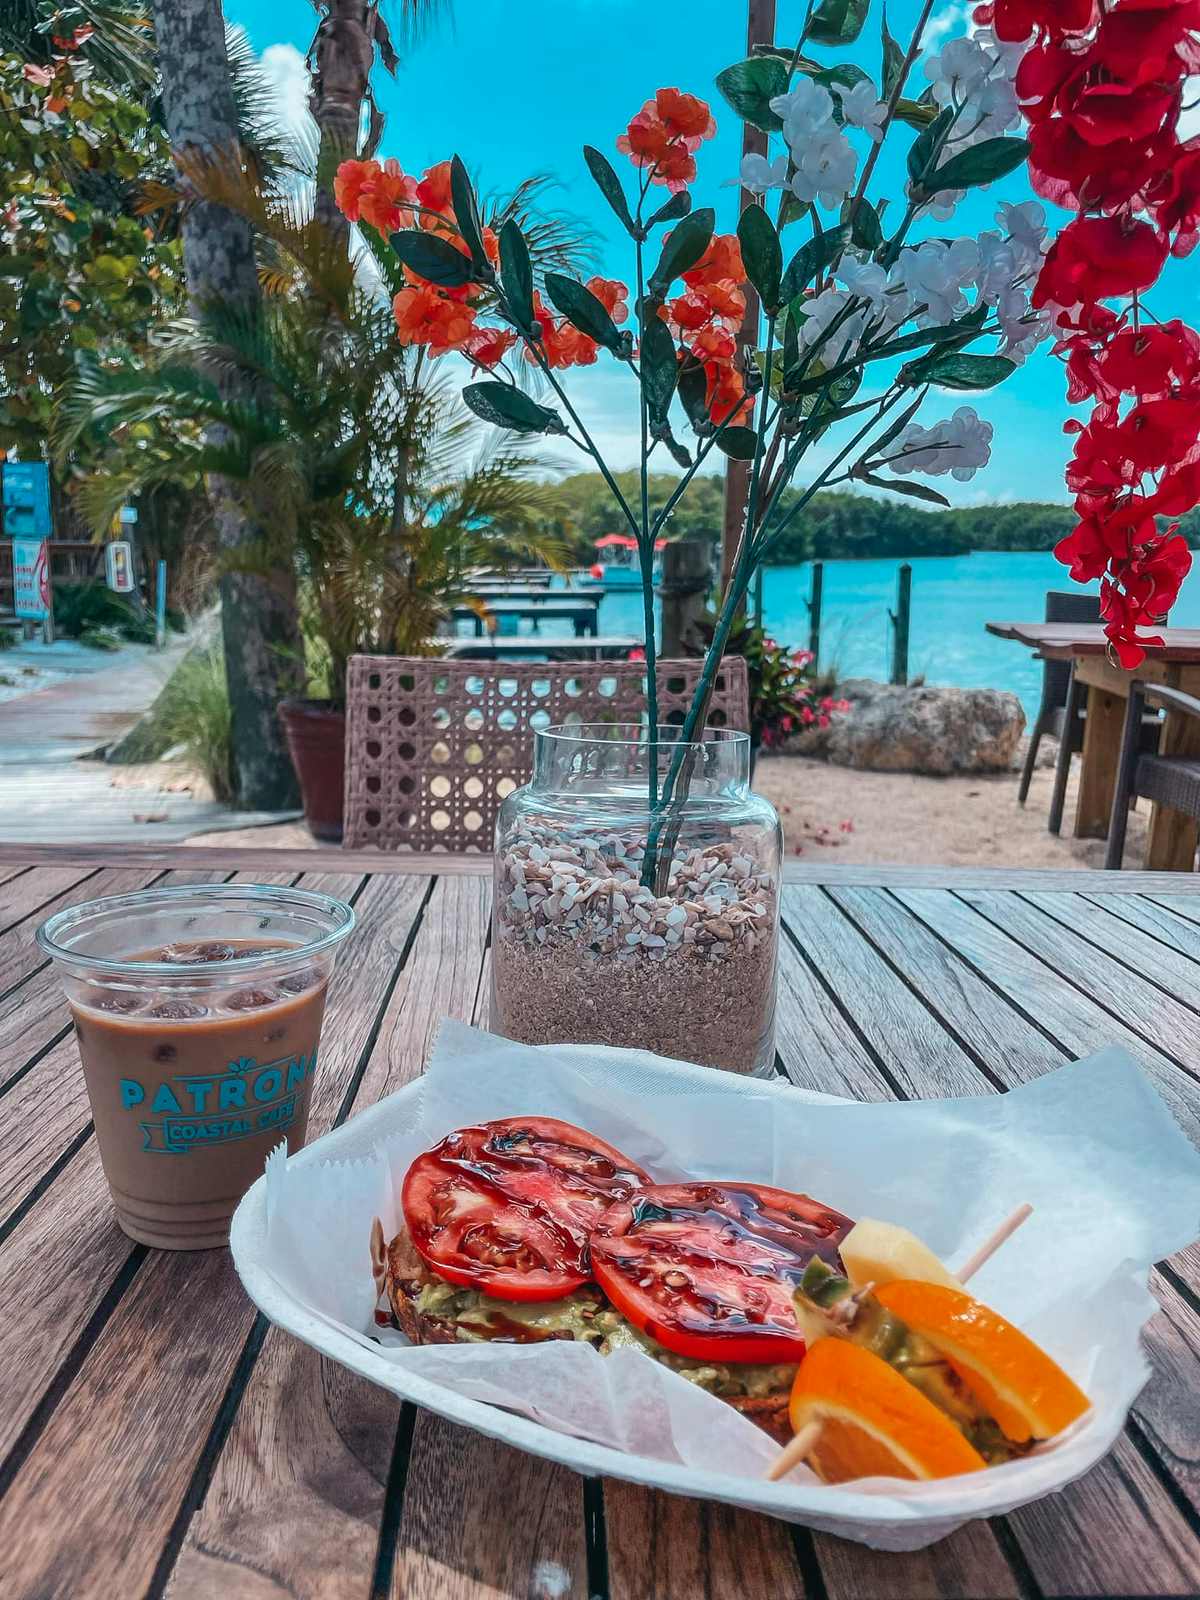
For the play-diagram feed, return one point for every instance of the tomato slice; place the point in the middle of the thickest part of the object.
(708, 1269)
(506, 1207)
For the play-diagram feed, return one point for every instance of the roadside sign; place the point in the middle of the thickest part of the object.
(25, 492)
(128, 514)
(118, 566)
(160, 605)
(31, 579)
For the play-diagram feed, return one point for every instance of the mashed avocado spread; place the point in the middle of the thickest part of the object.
(587, 1316)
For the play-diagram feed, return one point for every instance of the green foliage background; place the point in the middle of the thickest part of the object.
(835, 526)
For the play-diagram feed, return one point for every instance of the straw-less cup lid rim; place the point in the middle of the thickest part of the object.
(48, 935)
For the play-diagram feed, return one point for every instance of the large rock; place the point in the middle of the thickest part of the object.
(919, 728)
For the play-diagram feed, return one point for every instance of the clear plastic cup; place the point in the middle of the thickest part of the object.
(198, 1011)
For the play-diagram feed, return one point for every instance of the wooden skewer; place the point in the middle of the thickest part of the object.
(802, 1445)
(794, 1452)
(990, 1245)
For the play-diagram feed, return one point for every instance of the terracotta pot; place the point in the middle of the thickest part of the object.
(316, 736)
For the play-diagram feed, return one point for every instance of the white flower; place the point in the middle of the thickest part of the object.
(861, 109)
(934, 274)
(960, 445)
(758, 174)
(866, 280)
(806, 109)
(825, 169)
(820, 313)
(1025, 225)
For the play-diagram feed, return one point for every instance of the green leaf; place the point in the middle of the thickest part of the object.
(982, 163)
(739, 443)
(914, 491)
(866, 231)
(838, 21)
(843, 76)
(893, 59)
(681, 250)
(432, 257)
(601, 168)
(516, 275)
(582, 310)
(466, 215)
(950, 370)
(926, 145)
(812, 257)
(762, 256)
(963, 329)
(678, 205)
(509, 407)
(915, 113)
(693, 392)
(750, 86)
(659, 367)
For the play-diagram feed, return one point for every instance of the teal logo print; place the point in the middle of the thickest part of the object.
(214, 1108)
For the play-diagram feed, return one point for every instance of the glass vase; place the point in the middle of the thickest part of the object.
(584, 952)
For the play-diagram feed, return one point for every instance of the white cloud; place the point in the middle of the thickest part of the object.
(948, 20)
(283, 68)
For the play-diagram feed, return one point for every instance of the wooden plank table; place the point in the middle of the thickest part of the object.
(158, 1438)
(1173, 838)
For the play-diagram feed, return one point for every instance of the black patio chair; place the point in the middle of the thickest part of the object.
(1052, 718)
(1173, 781)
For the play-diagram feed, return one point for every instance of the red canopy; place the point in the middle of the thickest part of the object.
(622, 541)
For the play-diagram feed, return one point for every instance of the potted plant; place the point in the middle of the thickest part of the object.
(637, 879)
(356, 459)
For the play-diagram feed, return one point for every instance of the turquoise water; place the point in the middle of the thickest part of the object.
(952, 598)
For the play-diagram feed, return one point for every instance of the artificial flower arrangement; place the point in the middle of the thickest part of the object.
(807, 342)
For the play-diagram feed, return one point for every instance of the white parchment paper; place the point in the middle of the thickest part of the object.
(1114, 1182)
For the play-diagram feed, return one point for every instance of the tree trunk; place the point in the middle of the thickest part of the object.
(341, 77)
(259, 622)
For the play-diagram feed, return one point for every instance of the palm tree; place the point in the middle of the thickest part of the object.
(259, 616)
(354, 460)
(340, 60)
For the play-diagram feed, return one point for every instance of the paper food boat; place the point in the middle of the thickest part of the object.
(1114, 1182)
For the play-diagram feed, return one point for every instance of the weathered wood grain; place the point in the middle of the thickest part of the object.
(1154, 918)
(1180, 897)
(661, 1547)
(1147, 1010)
(966, 1566)
(231, 859)
(898, 1029)
(26, 895)
(811, 1030)
(1162, 964)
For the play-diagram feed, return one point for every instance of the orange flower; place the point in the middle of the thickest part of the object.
(425, 317)
(612, 295)
(725, 393)
(433, 191)
(725, 300)
(713, 344)
(683, 115)
(720, 262)
(690, 312)
(380, 202)
(487, 347)
(351, 181)
(664, 134)
(562, 345)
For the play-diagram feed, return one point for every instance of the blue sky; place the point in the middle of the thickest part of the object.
(516, 87)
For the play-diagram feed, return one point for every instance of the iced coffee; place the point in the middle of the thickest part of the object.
(198, 1014)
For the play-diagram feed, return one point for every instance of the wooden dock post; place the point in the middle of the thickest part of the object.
(814, 612)
(686, 580)
(900, 620)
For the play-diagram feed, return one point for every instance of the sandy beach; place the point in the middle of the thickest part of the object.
(842, 813)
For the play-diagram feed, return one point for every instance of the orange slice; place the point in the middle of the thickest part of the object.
(874, 1423)
(1013, 1379)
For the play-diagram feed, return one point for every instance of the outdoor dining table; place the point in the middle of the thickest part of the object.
(158, 1437)
(1171, 846)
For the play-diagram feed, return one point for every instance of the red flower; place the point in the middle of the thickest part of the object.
(487, 347)
(433, 191)
(612, 295)
(664, 134)
(1015, 20)
(720, 263)
(562, 345)
(423, 316)
(684, 116)
(1095, 258)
